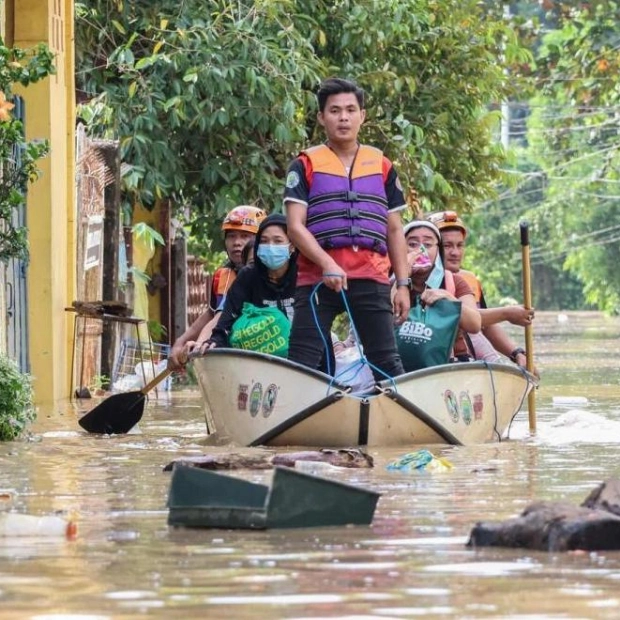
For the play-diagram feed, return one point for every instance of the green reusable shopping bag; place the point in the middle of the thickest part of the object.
(427, 336)
(266, 330)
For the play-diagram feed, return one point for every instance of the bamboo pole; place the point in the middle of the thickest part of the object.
(529, 334)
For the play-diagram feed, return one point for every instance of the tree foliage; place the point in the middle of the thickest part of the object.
(579, 66)
(18, 157)
(17, 410)
(565, 181)
(210, 100)
(205, 98)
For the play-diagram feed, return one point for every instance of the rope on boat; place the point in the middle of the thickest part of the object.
(486, 365)
(363, 359)
(528, 377)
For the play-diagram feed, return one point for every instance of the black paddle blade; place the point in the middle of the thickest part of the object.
(115, 415)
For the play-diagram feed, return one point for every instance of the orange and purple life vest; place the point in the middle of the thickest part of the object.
(348, 209)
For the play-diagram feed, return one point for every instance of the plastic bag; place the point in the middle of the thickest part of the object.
(421, 460)
(350, 370)
(265, 330)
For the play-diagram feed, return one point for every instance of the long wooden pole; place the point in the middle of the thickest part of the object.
(529, 334)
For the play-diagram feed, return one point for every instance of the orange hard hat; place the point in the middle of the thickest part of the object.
(445, 220)
(244, 217)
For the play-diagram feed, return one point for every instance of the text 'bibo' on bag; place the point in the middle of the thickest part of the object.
(427, 336)
(266, 330)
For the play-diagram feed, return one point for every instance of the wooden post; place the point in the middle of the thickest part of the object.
(112, 238)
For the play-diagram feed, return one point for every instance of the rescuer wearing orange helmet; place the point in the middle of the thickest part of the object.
(492, 339)
(240, 227)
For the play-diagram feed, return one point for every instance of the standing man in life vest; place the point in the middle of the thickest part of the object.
(343, 201)
(240, 227)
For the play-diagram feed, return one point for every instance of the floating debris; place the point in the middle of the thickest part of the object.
(13, 524)
(421, 460)
(345, 457)
(200, 498)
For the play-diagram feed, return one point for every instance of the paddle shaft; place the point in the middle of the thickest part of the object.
(156, 381)
(529, 335)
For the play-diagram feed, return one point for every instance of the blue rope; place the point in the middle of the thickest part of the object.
(363, 359)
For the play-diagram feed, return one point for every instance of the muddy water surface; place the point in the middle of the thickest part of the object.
(412, 561)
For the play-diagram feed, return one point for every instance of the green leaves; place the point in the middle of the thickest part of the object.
(16, 400)
(18, 157)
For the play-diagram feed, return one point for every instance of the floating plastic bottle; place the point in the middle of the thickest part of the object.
(13, 524)
(316, 468)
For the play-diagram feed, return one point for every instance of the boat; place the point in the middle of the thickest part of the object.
(254, 399)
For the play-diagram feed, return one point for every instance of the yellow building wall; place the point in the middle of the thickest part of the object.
(50, 115)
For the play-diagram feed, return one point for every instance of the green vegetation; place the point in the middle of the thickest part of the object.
(566, 177)
(18, 157)
(16, 400)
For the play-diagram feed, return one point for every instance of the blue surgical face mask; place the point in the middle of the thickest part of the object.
(435, 277)
(273, 256)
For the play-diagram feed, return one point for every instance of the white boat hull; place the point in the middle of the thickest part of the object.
(256, 399)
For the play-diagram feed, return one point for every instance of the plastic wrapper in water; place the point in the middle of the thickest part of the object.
(420, 460)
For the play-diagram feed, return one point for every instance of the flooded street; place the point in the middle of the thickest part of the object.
(412, 561)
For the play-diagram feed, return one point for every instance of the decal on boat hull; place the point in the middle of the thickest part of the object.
(449, 398)
(256, 399)
(269, 401)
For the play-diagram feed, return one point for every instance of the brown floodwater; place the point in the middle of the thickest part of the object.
(411, 562)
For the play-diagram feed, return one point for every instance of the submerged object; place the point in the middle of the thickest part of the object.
(202, 498)
(17, 524)
(263, 459)
(594, 525)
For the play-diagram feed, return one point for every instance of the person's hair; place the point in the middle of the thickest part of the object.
(336, 86)
(245, 253)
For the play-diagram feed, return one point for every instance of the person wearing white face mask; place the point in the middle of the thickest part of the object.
(430, 282)
(268, 282)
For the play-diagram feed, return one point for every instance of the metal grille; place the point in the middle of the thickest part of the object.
(133, 364)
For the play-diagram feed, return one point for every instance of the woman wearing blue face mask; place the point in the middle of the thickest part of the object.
(268, 282)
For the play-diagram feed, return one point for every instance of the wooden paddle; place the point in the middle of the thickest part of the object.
(529, 335)
(120, 412)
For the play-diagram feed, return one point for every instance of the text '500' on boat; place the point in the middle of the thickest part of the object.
(256, 399)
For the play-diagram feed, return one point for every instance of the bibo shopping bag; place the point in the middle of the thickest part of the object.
(427, 336)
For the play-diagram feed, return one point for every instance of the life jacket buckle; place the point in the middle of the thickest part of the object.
(351, 196)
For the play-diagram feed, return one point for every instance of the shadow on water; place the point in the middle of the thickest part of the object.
(411, 561)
